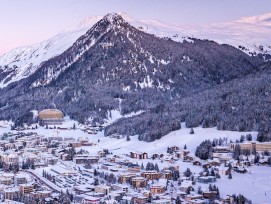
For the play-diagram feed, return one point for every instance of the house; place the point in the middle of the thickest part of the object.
(157, 189)
(120, 187)
(139, 182)
(126, 178)
(206, 179)
(172, 149)
(140, 200)
(209, 194)
(222, 157)
(19, 179)
(102, 189)
(85, 159)
(166, 174)
(10, 193)
(192, 196)
(41, 194)
(197, 163)
(26, 188)
(90, 199)
(134, 168)
(222, 170)
(135, 155)
(185, 185)
(151, 175)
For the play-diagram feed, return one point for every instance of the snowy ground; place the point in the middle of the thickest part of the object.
(255, 185)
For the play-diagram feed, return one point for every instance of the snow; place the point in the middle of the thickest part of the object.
(254, 185)
(251, 32)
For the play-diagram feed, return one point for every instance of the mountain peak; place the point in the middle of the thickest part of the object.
(114, 18)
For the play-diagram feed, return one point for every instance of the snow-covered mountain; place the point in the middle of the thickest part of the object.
(250, 34)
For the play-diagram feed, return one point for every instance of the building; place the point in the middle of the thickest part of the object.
(10, 193)
(126, 178)
(139, 182)
(151, 175)
(134, 168)
(253, 146)
(19, 179)
(85, 159)
(51, 117)
(135, 155)
(102, 189)
(41, 194)
(206, 179)
(6, 181)
(26, 188)
(158, 189)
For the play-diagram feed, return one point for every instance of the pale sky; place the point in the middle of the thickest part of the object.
(24, 22)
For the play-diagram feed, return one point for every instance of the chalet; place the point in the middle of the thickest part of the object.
(185, 153)
(214, 162)
(222, 170)
(178, 154)
(166, 174)
(209, 194)
(188, 158)
(185, 185)
(173, 149)
(135, 155)
(197, 163)
(157, 156)
(193, 196)
(75, 144)
(222, 157)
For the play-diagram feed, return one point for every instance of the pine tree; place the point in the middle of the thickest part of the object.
(236, 151)
(142, 166)
(156, 167)
(185, 147)
(192, 131)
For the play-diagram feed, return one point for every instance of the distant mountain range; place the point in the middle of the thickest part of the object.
(250, 34)
(118, 63)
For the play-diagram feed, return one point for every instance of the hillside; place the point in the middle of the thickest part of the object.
(115, 66)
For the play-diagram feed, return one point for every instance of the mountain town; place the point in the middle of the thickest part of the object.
(110, 102)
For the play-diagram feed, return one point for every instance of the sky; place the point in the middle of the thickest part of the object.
(25, 22)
